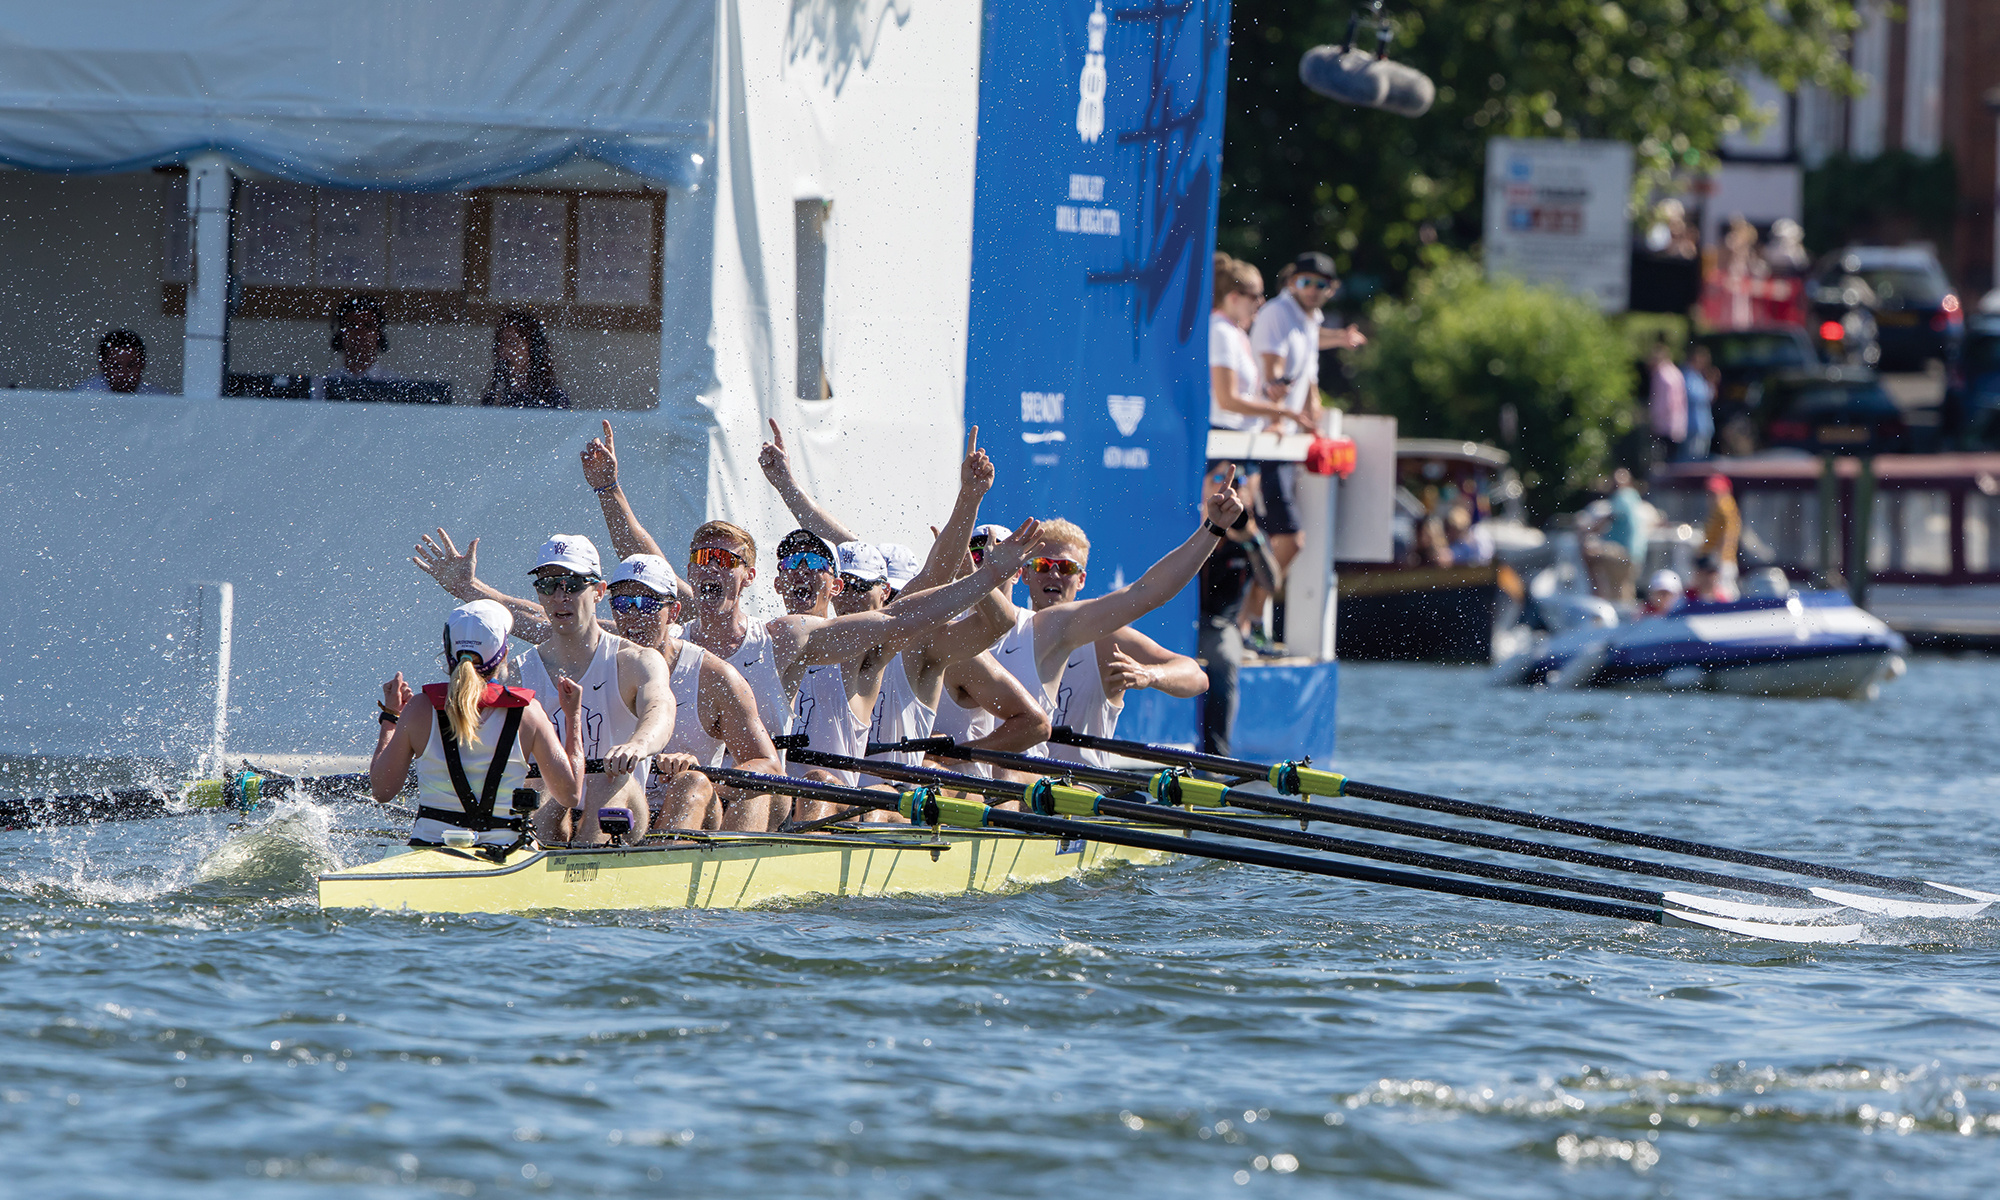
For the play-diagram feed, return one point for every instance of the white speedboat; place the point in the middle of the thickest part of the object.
(1803, 644)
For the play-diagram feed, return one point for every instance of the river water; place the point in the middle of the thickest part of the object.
(179, 1020)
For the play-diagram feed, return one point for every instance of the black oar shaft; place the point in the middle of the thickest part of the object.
(903, 772)
(1509, 816)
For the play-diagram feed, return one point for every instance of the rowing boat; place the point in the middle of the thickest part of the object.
(718, 870)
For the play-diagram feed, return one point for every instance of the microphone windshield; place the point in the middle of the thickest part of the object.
(1359, 78)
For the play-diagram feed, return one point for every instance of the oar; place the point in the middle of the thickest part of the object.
(1061, 800)
(1296, 779)
(924, 806)
(242, 792)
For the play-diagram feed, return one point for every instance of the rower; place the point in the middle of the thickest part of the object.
(912, 688)
(1038, 647)
(1095, 677)
(716, 714)
(722, 564)
(472, 741)
(628, 703)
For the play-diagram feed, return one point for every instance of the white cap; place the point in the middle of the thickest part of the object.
(570, 551)
(1664, 581)
(903, 564)
(862, 561)
(993, 533)
(651, 571)
(481, 627)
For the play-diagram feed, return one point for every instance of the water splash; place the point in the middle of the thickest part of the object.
(278, 856)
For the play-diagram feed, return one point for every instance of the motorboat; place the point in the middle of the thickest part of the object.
(1799, 644)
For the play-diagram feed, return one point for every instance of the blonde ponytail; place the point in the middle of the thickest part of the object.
(461, 703)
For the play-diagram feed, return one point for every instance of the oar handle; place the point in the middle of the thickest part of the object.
(1066, 736)
(946, 747)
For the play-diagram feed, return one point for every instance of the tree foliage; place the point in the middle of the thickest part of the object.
(1304, 172)
(1448, 360)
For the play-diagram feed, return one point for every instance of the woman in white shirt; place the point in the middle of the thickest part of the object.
(1236, 395)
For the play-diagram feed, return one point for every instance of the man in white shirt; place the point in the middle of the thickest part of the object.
(1288, 335)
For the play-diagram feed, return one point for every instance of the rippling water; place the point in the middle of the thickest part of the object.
(180, 1021)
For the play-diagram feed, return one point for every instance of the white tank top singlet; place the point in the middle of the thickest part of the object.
(823, 714)
(434, 788)
(964, 725)
(757, 662)
(898, 715)
(1016, 656)
(1082, 705)
(606, 719)
(690, 735)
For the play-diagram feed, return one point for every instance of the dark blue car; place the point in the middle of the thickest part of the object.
(1917, 315)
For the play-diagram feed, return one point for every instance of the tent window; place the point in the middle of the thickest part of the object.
(809, 218)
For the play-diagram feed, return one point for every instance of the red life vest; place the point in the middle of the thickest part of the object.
(494, 697)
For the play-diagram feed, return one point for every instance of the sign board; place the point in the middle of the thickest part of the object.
(1557, 213)
(1093, 227)
(1365, 522)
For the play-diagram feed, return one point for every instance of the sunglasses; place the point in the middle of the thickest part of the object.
(1055, 566)
(1315, 284)
(714, 556)
(854, 583)
(805, 560)
(549, 585)
(647, 605)
(977, 550)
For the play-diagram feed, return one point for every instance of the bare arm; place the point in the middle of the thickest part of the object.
(984, 624)
(1023, 724)
(558, 760)
(1081, 621)
(1222, 389)
(648, 687)
(1137, 661)
(458, 574)
(724, 692)
(395, 744)
(914, 616)
(600, 471)
(975, 479)
(806, 511)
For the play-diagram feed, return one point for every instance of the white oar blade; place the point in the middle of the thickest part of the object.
(1779, 913)
(1821, 934)
(1882, 906)
(1968, 893)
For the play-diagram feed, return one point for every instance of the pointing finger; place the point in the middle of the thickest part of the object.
(972, 441)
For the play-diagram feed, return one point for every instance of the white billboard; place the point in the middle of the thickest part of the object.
(1556, 212)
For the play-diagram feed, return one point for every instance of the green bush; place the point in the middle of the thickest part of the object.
(1448, 360)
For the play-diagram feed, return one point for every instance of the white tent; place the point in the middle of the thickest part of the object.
(853, 120)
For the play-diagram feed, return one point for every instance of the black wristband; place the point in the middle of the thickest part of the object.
(383, 714)
(1215, 529)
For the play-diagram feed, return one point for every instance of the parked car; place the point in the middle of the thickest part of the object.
(1745, 358)
(1841, 312)
(1917, 315)
(1831, 410)
(1972, 402)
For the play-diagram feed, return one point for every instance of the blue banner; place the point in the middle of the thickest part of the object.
(1100, 145)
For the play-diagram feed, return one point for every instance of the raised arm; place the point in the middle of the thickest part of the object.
(1138, 661)
(914, 616)
(975, 479)
(458, 574)
(805, 510)
(1081, 621)
(600, 471)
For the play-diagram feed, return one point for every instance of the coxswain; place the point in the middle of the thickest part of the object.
(472, 741)
(628, 702)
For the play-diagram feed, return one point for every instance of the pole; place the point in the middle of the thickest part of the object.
(1864, 528)
(205, 342)
(1829, 523)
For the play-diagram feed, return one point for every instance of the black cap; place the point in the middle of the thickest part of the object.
(1312, 262)
(803, 541)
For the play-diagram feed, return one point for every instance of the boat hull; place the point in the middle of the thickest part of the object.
(1426, 614)
(716, 871)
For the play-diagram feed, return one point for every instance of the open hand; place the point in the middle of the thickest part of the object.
(1225, 506)
(1128, 672)
(1008, 556)
(456, 573)
(976, 473)
(600, 461)
(771, 456)
(395, 694)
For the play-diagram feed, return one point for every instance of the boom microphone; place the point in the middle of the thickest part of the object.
(1354, 76)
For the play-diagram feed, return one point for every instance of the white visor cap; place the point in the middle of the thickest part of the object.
(480, 627)
(1664, 581)
(994, 534)
(650, 571)
(571, 552)
(862, 561)
(903, 564)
